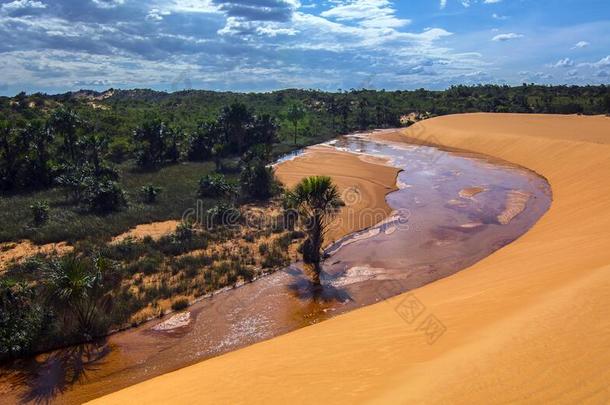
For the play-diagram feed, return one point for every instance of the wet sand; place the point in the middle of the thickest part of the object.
(530, 323)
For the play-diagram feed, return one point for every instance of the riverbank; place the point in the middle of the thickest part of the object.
(530, 323)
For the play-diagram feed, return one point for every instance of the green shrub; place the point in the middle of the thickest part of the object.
(119, 150)
(40, 212)
(258, 181)
(223, 214)
(20, 319)
(150, 193)
(192, 262)
(214, 186)
(105, 196)
(275, 258)
(184, 232)
(184, 240)
(147, 265)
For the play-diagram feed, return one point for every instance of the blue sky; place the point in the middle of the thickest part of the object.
(259, 45)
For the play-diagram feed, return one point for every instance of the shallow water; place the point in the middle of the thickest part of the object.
(435, 231)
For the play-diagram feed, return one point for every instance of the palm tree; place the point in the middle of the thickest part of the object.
(151, 140)
(235, 120)
(317, 201)
(96, 146)
(66, 123)
(363, 117)
(344, 110)
(295, 114)
(218, 151)
(264, 133)
(332, 108)
(77, 287)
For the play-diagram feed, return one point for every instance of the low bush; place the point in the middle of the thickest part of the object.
(275, 258)
(105, 196)
(150, 193)
(214, 186)
(40, 212)
(21, 319)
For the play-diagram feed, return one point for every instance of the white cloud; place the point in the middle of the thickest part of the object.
(581, 44)
(604, 62)
(368, 13)
(498, 17)
(564, 63)
(238, 26)
(506, 37)
(108, 3)
(190, 6)
(23, 4)
(468, 3)
(157, 15)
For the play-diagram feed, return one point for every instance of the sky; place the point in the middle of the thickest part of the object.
(260, 45)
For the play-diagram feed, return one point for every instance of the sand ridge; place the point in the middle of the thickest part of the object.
(528, 324)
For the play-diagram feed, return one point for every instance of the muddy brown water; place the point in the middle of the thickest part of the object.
(435, 231)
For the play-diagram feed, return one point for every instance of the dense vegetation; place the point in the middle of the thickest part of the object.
(83, 167)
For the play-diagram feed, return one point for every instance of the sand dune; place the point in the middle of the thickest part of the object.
(528, 324)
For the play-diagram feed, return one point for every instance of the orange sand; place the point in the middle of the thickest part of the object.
(528, 324)
(155, 230)
(15, 252)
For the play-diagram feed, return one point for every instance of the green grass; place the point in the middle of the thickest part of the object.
(71, 223)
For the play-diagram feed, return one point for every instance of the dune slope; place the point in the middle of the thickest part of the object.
(530, 323)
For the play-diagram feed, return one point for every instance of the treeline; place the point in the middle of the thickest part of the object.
(301, 116)
(69, 151)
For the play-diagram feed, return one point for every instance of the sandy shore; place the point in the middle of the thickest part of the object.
(528, 324)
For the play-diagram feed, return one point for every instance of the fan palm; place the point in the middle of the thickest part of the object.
(317, 201)
(76, 286)
(295, 114)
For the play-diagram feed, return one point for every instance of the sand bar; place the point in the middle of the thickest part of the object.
(528, 324)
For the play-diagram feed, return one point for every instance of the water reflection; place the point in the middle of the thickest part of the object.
(42, 379)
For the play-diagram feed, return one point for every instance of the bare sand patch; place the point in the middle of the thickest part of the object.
(12, 252)
(470, 192)
(155, 230)
(515, 204)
